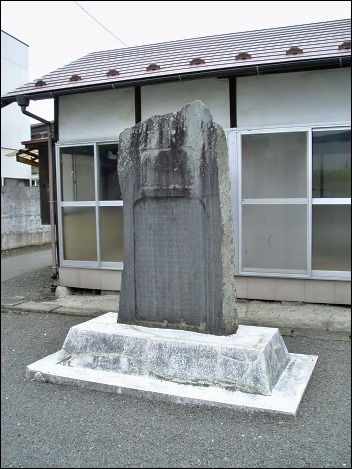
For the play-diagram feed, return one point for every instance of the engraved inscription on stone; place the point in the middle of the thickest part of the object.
(170, 260)
(168, 170)
(178, 250)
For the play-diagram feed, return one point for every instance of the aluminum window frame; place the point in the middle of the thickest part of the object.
(328, 274)
(98, 264)
(290, 273)
(234, 138)
(235, 169)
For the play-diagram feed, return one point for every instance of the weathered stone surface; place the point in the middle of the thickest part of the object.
(250, 370)
(178, 229)
(245, 361)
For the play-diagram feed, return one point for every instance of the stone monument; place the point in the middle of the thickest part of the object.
(178, 281)
(178, 227)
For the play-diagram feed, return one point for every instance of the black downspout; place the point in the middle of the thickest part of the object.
(23, 102)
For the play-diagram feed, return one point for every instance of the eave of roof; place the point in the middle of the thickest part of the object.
(321, 46)
(35, 143)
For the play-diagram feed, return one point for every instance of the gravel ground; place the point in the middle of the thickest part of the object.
(36, 285)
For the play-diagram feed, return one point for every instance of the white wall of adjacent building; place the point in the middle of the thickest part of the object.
(15, 126)
(20, 205)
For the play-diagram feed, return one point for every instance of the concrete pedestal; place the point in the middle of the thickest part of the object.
(250, 370)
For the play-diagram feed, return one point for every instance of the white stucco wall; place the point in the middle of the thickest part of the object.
(280, 99)
(95, 115)
(15, 126)
(294, 98)
(171, 97)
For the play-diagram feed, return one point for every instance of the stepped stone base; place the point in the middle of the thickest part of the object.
(250, 370)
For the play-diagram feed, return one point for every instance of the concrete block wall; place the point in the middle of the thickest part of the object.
(20, 218)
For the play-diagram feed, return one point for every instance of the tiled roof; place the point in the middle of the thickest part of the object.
(242, 53)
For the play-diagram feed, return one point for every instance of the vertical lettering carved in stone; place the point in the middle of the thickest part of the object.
(179, 256)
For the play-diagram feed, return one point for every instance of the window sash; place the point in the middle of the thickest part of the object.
(241, 203)
(97, 203)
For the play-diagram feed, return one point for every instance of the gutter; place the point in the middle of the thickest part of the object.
(23, 102)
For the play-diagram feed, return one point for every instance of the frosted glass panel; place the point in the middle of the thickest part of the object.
(109, 180)
(274, 237)
(332, 164)
(77, 173)
(331, 248)
(274, 165)
(111, 232)
(79, 233)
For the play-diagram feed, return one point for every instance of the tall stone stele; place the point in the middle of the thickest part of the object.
(178, 227)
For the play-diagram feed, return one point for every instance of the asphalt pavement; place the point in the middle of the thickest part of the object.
(46, 425)
(15, 265)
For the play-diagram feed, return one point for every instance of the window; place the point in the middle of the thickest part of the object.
(331, 191)
(274, 202)
(295, 193)
(13, 182)
(77, 174)
(90, 206)
(111, 216)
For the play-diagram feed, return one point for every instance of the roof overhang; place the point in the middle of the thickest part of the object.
(247, 70)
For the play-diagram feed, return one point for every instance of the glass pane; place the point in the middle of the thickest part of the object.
(79, 233)
(332, 164)
(331, 249)
(274, 165)
(111, 233)
(109, 180)
(77, 173)
(274, 237)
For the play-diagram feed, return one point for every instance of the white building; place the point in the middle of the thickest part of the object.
(15, 126)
